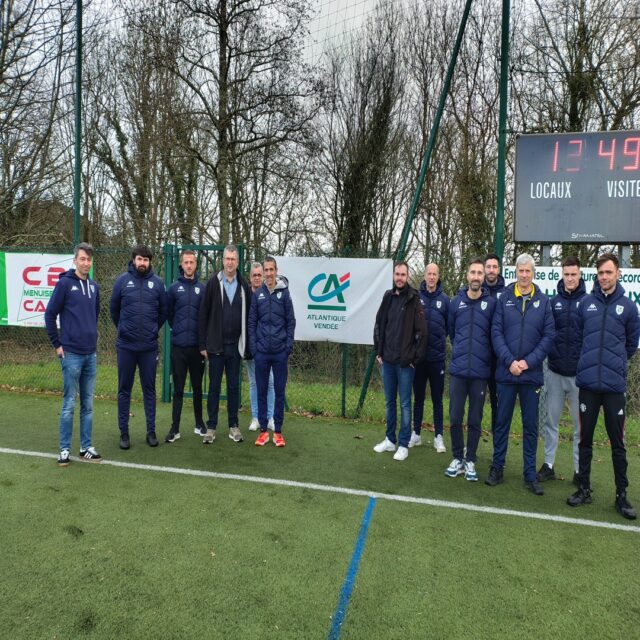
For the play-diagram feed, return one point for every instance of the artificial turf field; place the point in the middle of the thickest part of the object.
(106, 551)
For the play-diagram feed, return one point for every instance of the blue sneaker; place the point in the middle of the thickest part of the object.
(470, 472)
(456, 468)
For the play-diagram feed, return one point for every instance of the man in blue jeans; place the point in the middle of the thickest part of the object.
(522, 333)
(76, 302)
(400, 339)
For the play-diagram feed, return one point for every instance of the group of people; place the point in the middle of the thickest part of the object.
(500, 337)
(223, 322)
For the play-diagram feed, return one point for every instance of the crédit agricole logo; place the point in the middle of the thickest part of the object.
(326, 292)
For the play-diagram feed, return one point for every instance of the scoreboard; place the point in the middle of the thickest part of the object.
(578, 188)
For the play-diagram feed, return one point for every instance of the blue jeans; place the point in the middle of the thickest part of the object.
(266, 365)
(229, 364)
(78, 374)
(529, 396)
(398, 380)
(253, 390)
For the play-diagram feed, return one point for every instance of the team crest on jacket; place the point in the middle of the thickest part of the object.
(439, 304)
(92, 288)
(197, 290)
(279, 295)
(483, 305)
(150, 284)
(536, 304)
(619, 309)
(498, 295)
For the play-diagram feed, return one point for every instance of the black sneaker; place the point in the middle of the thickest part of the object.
(172, 436)
(63, 459)
(152, 441)
(535, 488)
(623, 506)
(495, 477)
(200, 431)
(580, 497)
(90, 455)
(546, 473)
(124, 441)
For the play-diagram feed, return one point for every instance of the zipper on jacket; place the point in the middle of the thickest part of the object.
(473, 308)
(604, 321)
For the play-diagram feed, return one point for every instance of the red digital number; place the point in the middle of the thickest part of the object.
(576, 153)
(610, 153)
(632, 150)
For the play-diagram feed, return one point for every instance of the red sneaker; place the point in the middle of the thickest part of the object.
(262, 439)
(278, 440)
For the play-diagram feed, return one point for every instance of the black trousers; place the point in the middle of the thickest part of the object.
(183, 360)
(613, 405)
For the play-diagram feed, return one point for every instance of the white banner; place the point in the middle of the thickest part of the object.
(547, 279)
(29, 279)
(336, 299)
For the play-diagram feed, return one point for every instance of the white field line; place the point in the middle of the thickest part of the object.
(344, 490)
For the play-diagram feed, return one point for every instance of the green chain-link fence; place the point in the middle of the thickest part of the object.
(324, 378)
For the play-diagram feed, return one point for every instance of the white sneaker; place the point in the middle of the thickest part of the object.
(470, 473)
(438, 445)
(385, 445)
(456, 468)
(401, 454)
(271, 425)
(255, 425)
(416, 440)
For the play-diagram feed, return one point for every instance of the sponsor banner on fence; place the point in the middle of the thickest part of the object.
(336, 299)
(26, 284)
(547, 279)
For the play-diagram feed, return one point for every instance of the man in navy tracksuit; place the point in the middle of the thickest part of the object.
(224, 340)
(470, 316)
(272, 326)
(494, 282)
(435, 305)
(184, 297)
(608, 328)
(522, 334)
(560, 378)
(76, 301)
(138, 310)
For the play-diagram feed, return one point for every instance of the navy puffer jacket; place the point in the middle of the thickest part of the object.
(563, 357)
(470, 334)
(272, 322)
(608, 329)
(138, 309)
(184, 297)
(519, 334)
(435, 306)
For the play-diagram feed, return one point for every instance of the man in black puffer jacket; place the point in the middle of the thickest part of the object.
(138, 309)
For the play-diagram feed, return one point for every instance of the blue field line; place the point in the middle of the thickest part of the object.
(347, 587)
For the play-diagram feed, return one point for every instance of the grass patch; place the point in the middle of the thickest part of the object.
(99, 551)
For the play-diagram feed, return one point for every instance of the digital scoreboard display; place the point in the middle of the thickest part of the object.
(578, 188)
